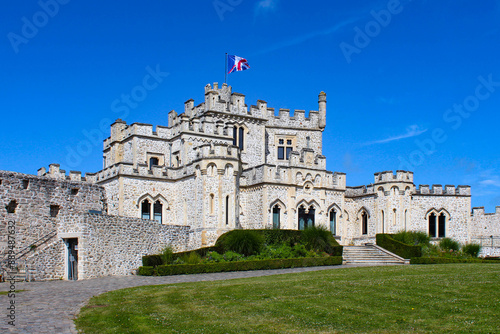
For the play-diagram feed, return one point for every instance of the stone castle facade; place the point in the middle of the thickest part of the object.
(220, 165)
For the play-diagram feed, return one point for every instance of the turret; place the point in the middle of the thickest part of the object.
(322, 110)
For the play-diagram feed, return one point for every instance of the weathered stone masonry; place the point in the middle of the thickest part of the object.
(217, 166)
(107, 245)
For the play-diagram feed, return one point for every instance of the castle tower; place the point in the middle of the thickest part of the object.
(322, 110)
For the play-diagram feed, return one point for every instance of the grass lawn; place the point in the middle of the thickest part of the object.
(451, 298)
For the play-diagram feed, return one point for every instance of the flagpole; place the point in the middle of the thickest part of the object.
(225, 69)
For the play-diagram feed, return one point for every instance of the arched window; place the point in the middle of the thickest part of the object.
(394, 215)
(364, 223)
(442, 226)
(241, 135)
(276, 216)
(157, 211)
(146, 209)
(383, 221)
(212, 204)
(306, 217)
(333, 221)
(432, 225)
(406, 219)
(227, 210)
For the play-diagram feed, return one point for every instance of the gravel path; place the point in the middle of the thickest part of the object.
(51, 306)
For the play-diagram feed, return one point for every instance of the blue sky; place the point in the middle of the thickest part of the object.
(410, 84)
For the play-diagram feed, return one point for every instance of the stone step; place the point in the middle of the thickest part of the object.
(368, 255)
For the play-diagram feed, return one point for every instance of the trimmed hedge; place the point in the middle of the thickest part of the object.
(397, 247)
(200, 251)
(442, 260)
(152, 260)
(146, 271)
(178, 269)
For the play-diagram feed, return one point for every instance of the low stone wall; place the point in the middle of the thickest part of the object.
(112, 245)
(489, 252)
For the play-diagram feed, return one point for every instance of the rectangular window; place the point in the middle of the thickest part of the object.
(54, 210)
(281, 153)
(285, 147)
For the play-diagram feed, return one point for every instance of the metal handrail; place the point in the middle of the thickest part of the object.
(27, 249)
(491, 241)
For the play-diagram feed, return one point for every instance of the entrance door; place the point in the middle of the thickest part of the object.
(306, 218)
(72, 245)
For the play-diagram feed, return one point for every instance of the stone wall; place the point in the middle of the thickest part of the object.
(111, 245)
(34, 196)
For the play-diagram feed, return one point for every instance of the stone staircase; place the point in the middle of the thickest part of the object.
(371, 254)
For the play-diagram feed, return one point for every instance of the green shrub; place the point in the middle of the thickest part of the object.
(278, 237)
(214, 257)
(405, 251)
(146, 271)
(412, 238)
(152, 260)
(192, 258)
(448, 244)
(318, 238)
(232, 256)
(283, 251)
(471, 249)
(299, 250)
(246, 265)
(167, 255)
(246, 242)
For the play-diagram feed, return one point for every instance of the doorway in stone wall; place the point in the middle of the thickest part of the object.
(72, 260)
(306, 217)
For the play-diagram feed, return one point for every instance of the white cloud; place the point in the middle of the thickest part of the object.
(265, 6)
(411, 131)
(301, 39)
(491, 182)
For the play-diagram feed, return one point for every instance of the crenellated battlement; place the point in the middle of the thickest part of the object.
(360, 191)
(217, 116)
(479, 211)
(448, 190)
(389, 176)
(287, 175)
(223, 100)
(56, 173)
(212, 152)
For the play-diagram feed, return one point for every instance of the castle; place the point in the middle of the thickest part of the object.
(218, 166)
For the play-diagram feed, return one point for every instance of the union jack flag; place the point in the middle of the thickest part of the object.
(235, 63)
